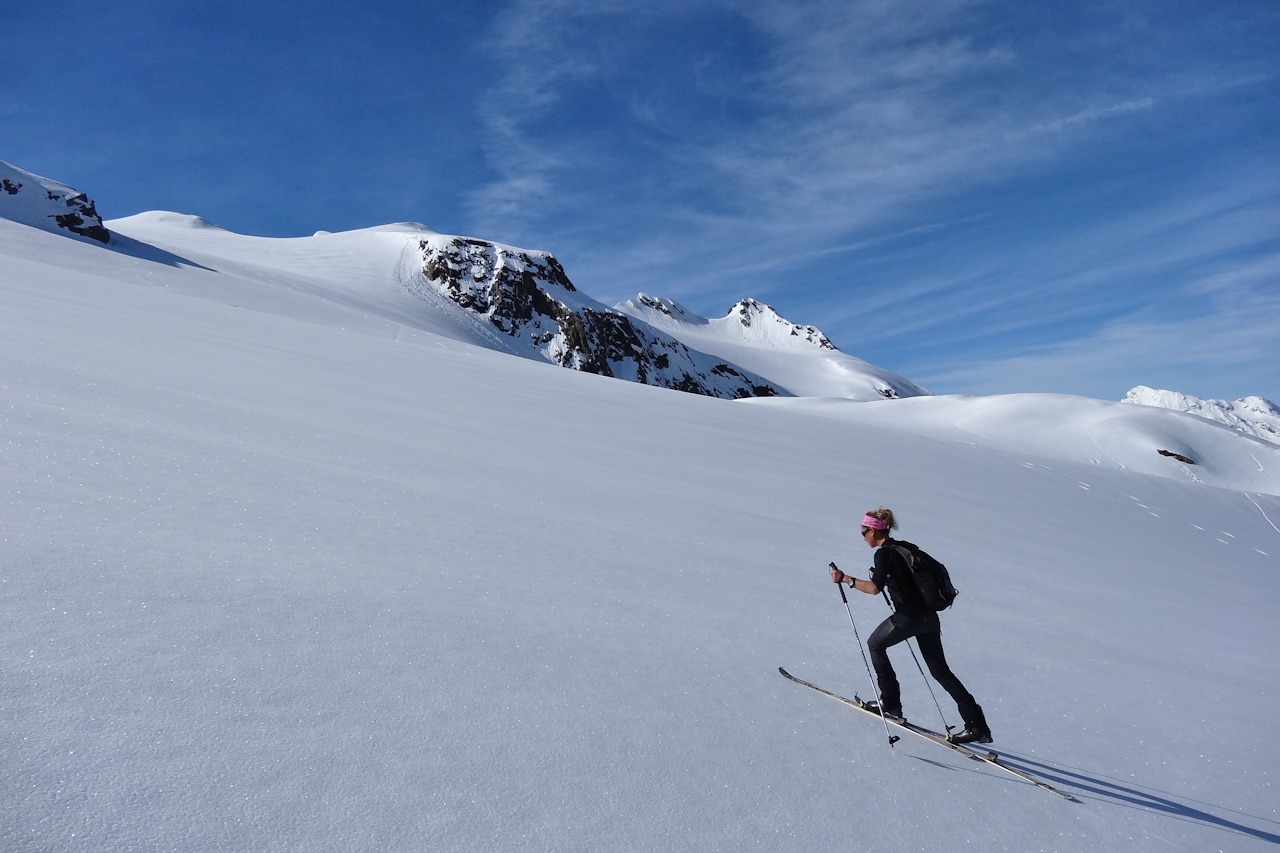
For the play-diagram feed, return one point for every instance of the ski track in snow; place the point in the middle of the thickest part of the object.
(1261, 511)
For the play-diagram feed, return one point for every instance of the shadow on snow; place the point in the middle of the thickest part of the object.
(147, 252)
(1151, 799)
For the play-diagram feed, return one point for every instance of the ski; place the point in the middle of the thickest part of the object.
(986, 756)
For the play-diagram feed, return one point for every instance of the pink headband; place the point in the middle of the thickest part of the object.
(874, 523)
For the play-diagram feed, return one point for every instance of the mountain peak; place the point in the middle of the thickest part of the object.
(761, 324)
(663, 306)
(749, 321)
(754, 336)
(42, 203)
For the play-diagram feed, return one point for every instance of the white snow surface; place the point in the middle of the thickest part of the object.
(1251, 415)
(295, 560)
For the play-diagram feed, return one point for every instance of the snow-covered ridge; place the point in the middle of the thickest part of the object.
(1250, 415)
(48, 205)
(528, 298)
(800, 359)
(749, 321)
(517, 301)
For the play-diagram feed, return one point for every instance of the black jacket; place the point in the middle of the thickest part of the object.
(892, 572)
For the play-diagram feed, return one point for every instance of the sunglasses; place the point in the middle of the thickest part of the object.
(865, 531)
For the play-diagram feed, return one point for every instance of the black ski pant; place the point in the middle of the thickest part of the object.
(927, 629)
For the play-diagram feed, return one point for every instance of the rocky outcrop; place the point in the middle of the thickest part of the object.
(48, 205)
(527, 297)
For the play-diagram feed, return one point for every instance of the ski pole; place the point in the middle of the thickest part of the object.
(912, 649)
(892, 737)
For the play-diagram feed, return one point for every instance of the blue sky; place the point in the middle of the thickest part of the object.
(985, 197)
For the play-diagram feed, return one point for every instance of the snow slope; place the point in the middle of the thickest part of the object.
(1058, 427)
(356, 279)
(290, 564)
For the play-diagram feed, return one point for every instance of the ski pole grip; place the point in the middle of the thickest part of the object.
(839, 586)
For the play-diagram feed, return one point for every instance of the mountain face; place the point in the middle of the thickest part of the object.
(754, 336)
(514, 300)
(749, 320)
(48, 205)
(527, 297)
(760, 322)
(1250, 415)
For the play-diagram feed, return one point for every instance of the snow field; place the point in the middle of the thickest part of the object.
(311, 580)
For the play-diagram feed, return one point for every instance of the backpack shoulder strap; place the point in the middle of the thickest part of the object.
(907, 550)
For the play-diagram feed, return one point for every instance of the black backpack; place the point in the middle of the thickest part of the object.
(932, 580)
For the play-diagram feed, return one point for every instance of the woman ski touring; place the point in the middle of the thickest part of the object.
(911, 617)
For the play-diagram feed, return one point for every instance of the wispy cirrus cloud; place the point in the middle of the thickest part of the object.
(845, 112)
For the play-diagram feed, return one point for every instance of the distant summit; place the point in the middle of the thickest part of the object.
(529, 299)
(760, 324)
(1250, 415)
(749, 321)
(48, 205)
(800, 359)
